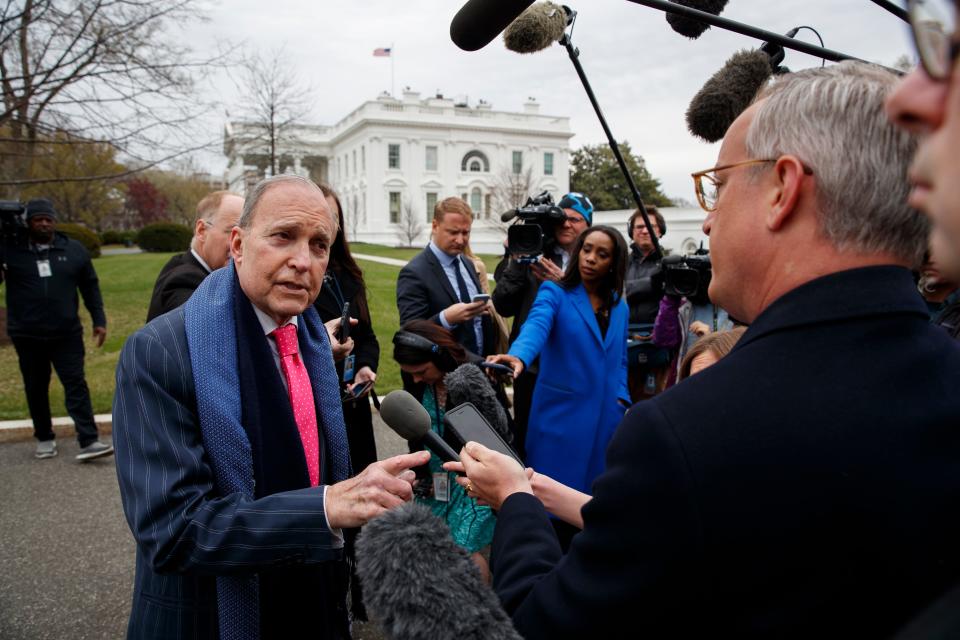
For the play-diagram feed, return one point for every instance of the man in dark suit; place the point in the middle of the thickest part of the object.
(231, 450)
(217, 214)
(807, 484)
(438, 284)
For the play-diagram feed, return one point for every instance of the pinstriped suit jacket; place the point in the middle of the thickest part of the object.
(186, 533)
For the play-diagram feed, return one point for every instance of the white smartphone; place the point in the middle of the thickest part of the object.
(480, 297)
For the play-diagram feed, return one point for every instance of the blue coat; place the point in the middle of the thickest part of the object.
(582, 375)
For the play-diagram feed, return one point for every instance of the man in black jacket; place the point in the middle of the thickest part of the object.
(217, 214)
(42, 280)
(806, 485)
(517, 287)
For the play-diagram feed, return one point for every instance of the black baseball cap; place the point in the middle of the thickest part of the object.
(40, 207)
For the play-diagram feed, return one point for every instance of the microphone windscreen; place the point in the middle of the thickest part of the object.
(727, 94)
(536, 29)
(467, 383)
(479, 21)
(405, 415)
(688, 26)
(417, 583)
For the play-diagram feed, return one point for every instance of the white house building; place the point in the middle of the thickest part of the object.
(392, 159)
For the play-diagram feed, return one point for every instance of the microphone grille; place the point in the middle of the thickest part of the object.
(690, 27)
(405, 415)
(536, 28)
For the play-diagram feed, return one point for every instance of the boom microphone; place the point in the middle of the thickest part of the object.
(467, 383)
(410, 421)
(690, 27)
(537, 28)
(727, 94)
(417, 583)
(479, 21)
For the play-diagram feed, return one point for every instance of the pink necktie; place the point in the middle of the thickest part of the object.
(301, 396)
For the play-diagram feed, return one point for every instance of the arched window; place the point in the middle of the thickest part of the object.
(475, 161)
(476, 201)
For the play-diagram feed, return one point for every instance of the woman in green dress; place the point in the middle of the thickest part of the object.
(426, 352)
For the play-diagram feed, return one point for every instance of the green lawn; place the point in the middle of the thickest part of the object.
(126, 282)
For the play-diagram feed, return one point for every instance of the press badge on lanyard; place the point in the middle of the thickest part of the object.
(43, 267)
(441, 487)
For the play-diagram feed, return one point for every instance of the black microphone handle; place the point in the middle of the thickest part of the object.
(437, 445)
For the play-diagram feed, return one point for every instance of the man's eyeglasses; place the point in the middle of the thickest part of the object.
(933, 23)
(706, 185)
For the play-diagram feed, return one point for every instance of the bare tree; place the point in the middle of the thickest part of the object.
(95, 72)
(509, 191)
(410, 224)
(274, 101)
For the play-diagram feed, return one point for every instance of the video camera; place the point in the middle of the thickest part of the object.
(539, 218)
(13, 226)
(688, 276)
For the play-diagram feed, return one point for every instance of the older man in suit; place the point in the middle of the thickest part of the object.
(231, 452)
(806, 485)
(438, 284)
(217, 214)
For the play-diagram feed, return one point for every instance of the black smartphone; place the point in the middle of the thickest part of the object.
(467, 424)
(496, 366)
(345, 323)
(358, 391)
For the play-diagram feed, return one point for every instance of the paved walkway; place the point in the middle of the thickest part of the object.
(66, 554)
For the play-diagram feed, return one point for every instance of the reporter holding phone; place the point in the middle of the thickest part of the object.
(578, 329)
(342, 285)
(426, 352)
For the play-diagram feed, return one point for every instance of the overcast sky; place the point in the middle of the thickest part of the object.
(642, 73)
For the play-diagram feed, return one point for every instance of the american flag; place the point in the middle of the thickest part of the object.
(382, 52)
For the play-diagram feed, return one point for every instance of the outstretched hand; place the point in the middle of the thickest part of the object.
(513, 362)
(491, 477)
(381, 486)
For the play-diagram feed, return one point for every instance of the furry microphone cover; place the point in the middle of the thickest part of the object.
(467, 383)
(419, 585)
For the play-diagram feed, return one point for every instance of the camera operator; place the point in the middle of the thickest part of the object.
(644, 286)
(42, 276)
(517, 285)
(650, 363)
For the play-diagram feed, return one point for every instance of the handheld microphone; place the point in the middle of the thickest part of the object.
(410, 421)
(537, 28)
(479, 21)
(404, 558)
(691, 27)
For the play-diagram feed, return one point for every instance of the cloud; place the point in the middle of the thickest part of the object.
(642, 72)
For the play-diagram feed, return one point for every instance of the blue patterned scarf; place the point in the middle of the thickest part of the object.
(212, 341)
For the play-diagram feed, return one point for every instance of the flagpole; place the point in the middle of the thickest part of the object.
(393, 88)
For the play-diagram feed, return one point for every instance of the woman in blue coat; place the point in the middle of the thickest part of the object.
(578, 328)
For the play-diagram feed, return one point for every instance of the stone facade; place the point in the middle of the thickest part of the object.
(391, 159)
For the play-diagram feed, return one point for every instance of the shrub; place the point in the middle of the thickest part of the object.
(114, 236)
(164, 236)
(87, 237)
